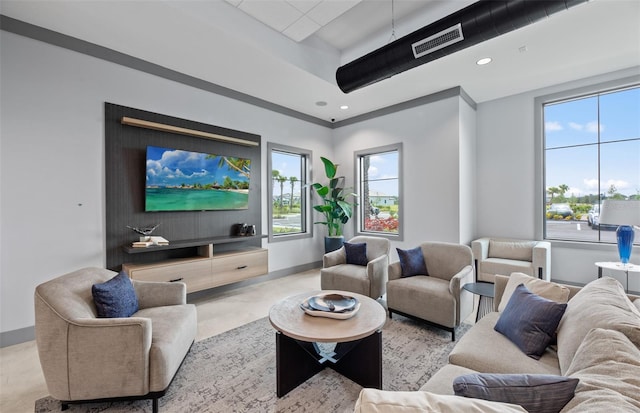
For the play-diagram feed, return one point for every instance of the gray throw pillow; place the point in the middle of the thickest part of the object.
(537, 393)
(115, 298)
(530, 321)
(412, 262)
(356, 253)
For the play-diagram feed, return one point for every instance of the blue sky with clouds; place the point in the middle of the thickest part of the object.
(573, 129)
(174, 167)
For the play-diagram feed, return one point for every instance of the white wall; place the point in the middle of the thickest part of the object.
(52, 217)
(432, 172)
(506, 182)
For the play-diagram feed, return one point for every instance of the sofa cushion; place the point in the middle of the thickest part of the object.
(382, 401)
(442, 381)
(530, 321)
(412, 262)
(607, 364)
(513, 250)
(636, 302)
(485, 350)
(505, 266)
(535, 392)
(600, 304)
(356, 253)
(115, 298)
(549, 290)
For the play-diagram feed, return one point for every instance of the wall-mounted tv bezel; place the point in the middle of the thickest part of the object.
(182, 180)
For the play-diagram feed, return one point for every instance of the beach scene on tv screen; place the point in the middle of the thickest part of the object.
(178, 180)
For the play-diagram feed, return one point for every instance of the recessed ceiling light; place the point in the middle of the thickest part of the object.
(321, 103)
(344, 107)
(483, 61)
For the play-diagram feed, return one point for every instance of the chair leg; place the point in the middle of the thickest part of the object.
(453, 334)
(390, 314)
(64, 406)
(154, 404)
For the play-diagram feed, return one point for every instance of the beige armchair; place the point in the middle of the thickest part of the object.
(86, 359)
(504, 256)
(437, 297)
(369, 280)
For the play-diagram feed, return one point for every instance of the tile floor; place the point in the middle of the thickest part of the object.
(21, 379)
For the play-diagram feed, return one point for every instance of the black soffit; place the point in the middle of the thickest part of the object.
(474, 24)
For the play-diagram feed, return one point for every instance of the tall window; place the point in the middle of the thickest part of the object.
(591, 153)
(288, 203)
(379, 188)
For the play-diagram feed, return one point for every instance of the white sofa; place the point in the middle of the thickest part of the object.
(598, 342)
(503, 256)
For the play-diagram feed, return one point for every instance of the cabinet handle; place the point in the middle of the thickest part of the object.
(176, 280)
(241, 267)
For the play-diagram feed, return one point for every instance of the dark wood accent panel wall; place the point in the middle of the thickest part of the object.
(125, 158)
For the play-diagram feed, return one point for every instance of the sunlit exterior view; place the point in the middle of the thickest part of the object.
(591, 154)
(378, 187)
(288, 176)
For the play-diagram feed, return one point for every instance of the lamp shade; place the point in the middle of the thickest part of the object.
(615, 212)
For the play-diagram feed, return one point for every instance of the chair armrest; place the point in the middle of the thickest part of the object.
(108, 350)
(158, 294)
(395, 271)
(333, 258)
(465, 275)
(480, 248)
(499, 284)
(542, 259)
(378, 267)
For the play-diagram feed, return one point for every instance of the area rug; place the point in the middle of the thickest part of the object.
(236, 372)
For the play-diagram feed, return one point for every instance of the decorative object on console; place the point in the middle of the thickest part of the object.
(626, 214)
(335, 207)
(144, 231)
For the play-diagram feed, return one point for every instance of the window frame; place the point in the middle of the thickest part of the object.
(305, 207)
(358, 211)
(540, 150)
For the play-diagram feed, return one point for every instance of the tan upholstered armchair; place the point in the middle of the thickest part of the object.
(437, 297)
(85, 358)
(504, 256)
(369, 280)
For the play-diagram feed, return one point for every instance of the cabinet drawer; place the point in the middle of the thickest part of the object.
(195, 274)
(239, 266)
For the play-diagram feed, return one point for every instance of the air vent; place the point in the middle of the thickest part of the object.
(438, 41)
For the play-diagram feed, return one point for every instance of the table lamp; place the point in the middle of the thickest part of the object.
(626, 214)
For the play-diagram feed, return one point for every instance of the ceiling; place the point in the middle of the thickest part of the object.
(290, 62)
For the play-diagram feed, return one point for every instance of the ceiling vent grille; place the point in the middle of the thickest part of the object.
(438, 41)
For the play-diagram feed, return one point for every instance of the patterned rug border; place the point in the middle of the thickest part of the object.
(243, 375)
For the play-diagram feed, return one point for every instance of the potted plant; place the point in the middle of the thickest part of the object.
(335, 207)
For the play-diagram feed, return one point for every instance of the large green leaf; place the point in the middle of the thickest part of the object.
(329, 168)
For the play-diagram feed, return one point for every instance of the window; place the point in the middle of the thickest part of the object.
(379, 188)
(591, 153)
(288, 196)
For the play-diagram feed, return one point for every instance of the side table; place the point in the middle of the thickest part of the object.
(485, 291)
(618, 266)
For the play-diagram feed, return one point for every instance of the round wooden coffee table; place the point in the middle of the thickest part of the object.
(358, 352)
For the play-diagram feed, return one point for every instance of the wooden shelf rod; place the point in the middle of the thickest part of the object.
(184, 131)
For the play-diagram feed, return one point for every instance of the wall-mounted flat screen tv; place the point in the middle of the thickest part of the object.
(178, 180)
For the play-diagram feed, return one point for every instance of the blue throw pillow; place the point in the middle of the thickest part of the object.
(530, 321)
(356, 253)
(537, 393)
(412, 262)
(115, 298)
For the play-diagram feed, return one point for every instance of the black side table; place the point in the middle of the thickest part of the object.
(485, 291)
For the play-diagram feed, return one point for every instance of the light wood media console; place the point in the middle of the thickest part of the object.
(205, 270)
